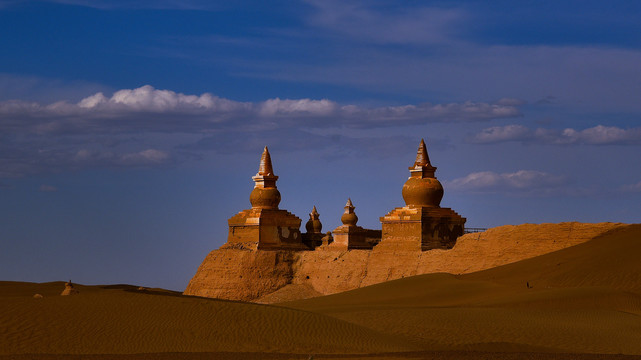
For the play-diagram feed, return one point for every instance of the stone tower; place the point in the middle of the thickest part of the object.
(422, 223)
(265, 226)
(313, 235)
(349, 235)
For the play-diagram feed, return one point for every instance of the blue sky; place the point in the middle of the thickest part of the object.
(129, 130)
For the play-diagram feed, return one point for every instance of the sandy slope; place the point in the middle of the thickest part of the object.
(121, 320)
(612, 260)
(584, 299)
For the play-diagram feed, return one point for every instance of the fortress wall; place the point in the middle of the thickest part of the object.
(249, 275)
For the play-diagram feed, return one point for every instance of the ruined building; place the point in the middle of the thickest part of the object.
(265, 226)
(415, 239)
(421, 224)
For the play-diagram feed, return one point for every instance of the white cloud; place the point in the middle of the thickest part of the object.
(152, 110)
(522, 180)
(598, 135)
(148, 99)
(60, 136)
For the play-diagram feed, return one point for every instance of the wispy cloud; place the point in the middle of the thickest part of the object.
(141, 158)
(595, 78)
(598, 135)
(43, 89)
(631, 187)
(141, 4)
(385, 23)
(522, 181)
(19, 159)
(4, 185)
(47, 188)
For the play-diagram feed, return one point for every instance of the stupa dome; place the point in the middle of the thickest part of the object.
(313, 224)
(349, 218)
(422, 189)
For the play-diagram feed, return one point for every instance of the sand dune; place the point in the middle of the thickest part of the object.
(584, 299)
(611, 260)
(120, 320)
(584, 302)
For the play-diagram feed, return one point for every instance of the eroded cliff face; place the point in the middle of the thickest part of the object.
(269, 276)
(241, 274)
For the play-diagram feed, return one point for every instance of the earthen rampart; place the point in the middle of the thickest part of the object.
(252, 275)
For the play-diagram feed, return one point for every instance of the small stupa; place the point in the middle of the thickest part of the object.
(265, 226)
(349, 235)
(422, 223)
(313, 224)
(69, 289)
(313, 235)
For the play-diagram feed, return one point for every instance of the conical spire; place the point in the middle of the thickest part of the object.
(349, 204)
(265, 167)
(265, 194)
(422, 167)
(421, 155)
(314, 214)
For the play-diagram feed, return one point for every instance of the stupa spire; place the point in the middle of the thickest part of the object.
(422, 158)
(265, 194)
(349, 204)
(265, 167)
(422, 167)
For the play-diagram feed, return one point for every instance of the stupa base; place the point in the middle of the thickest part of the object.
(265, 229)
(423, 228)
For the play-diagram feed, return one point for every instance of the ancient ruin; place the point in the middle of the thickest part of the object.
(69, 289)
(350, 255)
(419, 238)
(265, 226)
(421, 224)
(313, 237)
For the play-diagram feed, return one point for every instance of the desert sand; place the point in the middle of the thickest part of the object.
(581, 302)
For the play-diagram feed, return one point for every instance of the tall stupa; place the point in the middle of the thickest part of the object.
(265, 226)
(422, 223)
